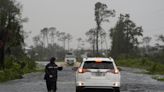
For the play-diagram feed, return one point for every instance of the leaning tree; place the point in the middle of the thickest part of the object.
(101, 15)
(11, 33)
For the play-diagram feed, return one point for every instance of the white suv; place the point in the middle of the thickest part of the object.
(98, 73)
(70, 59)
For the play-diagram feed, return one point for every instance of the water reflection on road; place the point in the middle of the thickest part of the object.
(33, 82)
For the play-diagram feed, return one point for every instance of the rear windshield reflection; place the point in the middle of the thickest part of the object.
(98, 65)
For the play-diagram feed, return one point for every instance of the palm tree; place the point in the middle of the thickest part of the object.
(36, 40)
(91, 34)
(52, 34)
(146, 41)
(69, 38)
(44, 33)
(79, 42)
(103, 37)
(57, 36)
(62, 37)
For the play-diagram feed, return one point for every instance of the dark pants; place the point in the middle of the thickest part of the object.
(51, 85)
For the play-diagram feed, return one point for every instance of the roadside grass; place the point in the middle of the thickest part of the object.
(11, 74)
(15, 69)
(142, 63)
(159, 78)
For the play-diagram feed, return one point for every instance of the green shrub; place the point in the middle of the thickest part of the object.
(9, 74)
(2, 77)
(143, 63)
(15, 68)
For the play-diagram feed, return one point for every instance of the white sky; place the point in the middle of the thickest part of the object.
(77, 16)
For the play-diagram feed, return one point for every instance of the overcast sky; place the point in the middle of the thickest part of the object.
(77, 16)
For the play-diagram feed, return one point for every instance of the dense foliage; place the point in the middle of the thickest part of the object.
(13, 60)
(142, 63)
(125, 37)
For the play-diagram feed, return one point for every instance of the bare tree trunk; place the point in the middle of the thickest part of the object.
(64, 44)
(93, 46)
(97, 40)
(2, 55)
(106, 44)
(2, 48)
(94, 42)
(47, 40)
(101, 43)
(68, 45)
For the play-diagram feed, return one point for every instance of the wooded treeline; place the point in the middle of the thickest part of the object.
(13, 59)
(126, 38)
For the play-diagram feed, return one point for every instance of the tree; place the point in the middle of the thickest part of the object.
(36, 40)
(79, 42)
(160, 48)
(146, 41)
(103, 38)
(91, 34)
(161, 38)
(44, 33)
(52, 34)
(57, 36)
(63, 37)
(69, 38)
(117, 37)
(11, 33)
(101, 15)
(125, 36)
(160, 45)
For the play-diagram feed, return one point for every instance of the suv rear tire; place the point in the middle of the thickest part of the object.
(117, 89)
(78, 89)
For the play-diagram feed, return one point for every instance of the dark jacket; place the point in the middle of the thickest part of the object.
(51, 72)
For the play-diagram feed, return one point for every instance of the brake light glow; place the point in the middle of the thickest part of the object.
(98, 60)
(80, 83)
(114, 71)
(81, 70)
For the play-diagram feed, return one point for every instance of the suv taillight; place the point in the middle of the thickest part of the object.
(81, 70)
(114, 71)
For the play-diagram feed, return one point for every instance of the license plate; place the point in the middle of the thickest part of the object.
(99, 74)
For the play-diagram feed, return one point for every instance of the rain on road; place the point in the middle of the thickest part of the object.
(130, 82)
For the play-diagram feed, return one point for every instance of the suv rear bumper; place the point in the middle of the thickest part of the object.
(97, 85)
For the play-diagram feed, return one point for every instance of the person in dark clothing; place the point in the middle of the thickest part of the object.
(51, 75)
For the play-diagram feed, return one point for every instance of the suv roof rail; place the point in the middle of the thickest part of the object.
(110, 58)
(84, 59)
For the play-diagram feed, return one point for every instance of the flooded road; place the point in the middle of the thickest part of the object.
(131, 81)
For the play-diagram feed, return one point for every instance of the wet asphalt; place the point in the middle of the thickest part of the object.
(131, 81)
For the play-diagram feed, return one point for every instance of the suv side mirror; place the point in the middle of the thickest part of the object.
(75, 68)
(119, 68)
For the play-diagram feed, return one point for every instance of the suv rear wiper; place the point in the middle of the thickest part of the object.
(95, 68)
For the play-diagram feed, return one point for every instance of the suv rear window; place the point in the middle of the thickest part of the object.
(98, 65)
